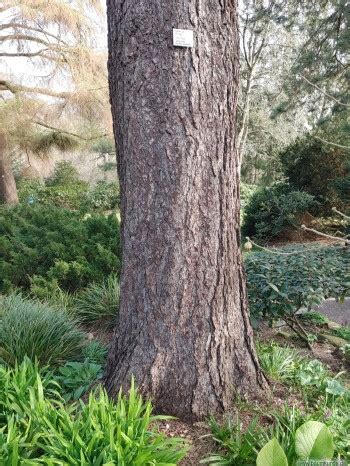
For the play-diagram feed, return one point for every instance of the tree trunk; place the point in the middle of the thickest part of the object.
(8, 190)
(184, 330)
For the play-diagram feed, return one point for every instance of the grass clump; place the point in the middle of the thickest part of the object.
(29, 328)
(95, 352)
(238, 446)
(101, 432)
(278, 362)
(99, 303)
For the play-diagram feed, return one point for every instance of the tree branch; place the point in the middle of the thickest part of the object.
(341, 213)
(26, 54)
(60, 130)
(332, 143)
(324, 235)
(25, 37)
(324, 92)
(16, 88)
(15, 25)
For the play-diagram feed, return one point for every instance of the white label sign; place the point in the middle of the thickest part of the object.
(183, 37)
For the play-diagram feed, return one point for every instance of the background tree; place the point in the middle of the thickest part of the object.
(68, 105)
(183, 328)
(294, 61)
(263, 75)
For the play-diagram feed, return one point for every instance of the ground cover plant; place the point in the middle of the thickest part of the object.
(273, 436)
(284, 281)
(54, 247)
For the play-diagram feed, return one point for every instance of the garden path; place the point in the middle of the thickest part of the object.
(336, 311)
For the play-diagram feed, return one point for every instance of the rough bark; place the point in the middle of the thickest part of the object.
(184, 330)
(8, 189)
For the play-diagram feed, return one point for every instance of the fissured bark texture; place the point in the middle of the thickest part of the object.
(183, 329)
(8, 189)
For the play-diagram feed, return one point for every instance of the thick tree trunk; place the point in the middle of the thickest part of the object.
(8, 190)
(184, 330)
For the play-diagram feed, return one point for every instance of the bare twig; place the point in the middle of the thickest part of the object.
(324, 92)
(332, 143)
(325, 235)
(340, 213)
(60, 130)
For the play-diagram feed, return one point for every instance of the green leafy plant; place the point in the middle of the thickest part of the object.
(287, 280)
(313, 441)
(18, 382)
(30, 328)
(287, 365)
(314, 318)
(99, 303)
(272, 454)
(77, 377)
(314, 374)
(36, 427)
(65, 189)
(106, 432)
(285, 424)
(345, 350)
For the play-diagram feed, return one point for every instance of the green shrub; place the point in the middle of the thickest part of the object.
(319, 169)
(285, 280)
(271, 210)
(314, 318)
(56, 245)
(102, 196)
(99, 303)
(64, 173)
(66, 196)
(29, 328)
(65, 189)
(343, 332)
(37, 428)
